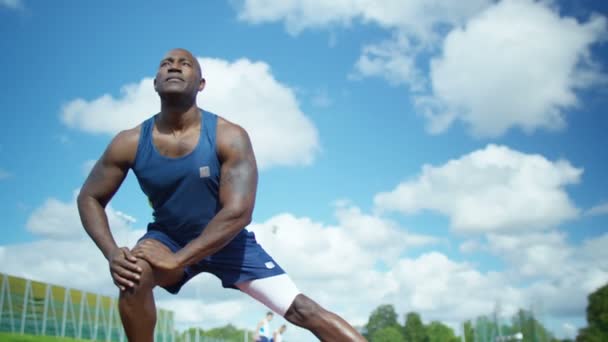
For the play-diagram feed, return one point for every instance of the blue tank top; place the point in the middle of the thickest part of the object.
(183, 191)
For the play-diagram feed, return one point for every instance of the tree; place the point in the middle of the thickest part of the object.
(485, 329)
(227, 333)
(439, 332)
(590, 334)
(387, 334)
(469, 332)
(414, 330)
(597, 317)
(532, 330)
(383, 317)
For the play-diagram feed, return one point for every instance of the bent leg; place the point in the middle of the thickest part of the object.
(136, 305)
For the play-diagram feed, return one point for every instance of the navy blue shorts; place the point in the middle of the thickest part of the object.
(242, 259)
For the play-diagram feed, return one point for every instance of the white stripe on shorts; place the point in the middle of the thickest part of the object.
(276, 292)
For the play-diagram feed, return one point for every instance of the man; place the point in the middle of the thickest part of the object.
(262, 331)
(277, 336)
(199, 173)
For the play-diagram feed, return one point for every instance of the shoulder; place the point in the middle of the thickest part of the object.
(123, 146)
(229, 130)
(128, 137)
(231, 138)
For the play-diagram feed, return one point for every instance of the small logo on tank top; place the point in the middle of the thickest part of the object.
(269, 265)
(204, 172)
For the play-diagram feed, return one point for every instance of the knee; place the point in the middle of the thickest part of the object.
(145, 283)
(304, 311)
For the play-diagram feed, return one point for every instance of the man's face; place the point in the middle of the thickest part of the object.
(178, 73)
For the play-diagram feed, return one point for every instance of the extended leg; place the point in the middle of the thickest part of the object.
(326, 325)
(280, 294)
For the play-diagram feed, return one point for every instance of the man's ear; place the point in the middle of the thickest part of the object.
(201, 86)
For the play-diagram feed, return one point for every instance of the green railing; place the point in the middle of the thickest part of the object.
(37, 308)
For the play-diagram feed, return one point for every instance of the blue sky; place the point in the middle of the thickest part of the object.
(418, 153)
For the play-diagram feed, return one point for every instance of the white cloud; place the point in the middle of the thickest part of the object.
(594, 251)
(490, 190)
(299, 15)
(73, 261)
(109, 115)
(308, 248)
(190, 312)
(393, 60)
(415, 25)
(560, 274)
(451, 291)
(518, 64)
(469, 246)
(504, 64)
(12, 4)
(378, 234)
(243, 91)
(533, 254)
(247, 93)
(126, 218)
(600, 209)
(60, 220)
(418, 17)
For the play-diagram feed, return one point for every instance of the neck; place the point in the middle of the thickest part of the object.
(178, 118)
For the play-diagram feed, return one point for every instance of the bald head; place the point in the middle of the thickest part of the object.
(179, 76)
(173, 53)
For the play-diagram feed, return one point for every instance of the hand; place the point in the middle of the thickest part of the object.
(123, 268)
(157, 254)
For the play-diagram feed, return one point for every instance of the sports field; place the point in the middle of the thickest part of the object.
(42, 309)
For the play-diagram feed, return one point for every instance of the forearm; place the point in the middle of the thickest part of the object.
(218, 233)
(95, 222)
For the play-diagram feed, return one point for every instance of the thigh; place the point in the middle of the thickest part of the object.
(241, 260)
(276, 292)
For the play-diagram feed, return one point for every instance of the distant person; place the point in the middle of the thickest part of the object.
(262, 331)
(277, 336)
(199, 173)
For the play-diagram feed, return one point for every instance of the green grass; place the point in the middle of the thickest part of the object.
(5, 337)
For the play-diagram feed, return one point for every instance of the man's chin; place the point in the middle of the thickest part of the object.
(172, 93)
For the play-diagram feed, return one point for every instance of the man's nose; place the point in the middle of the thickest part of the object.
(175, 67)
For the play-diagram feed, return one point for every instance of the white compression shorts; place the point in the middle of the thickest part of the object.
(276, 292)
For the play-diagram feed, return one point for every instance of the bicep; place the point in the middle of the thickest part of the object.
(108, 173)
(239, 176)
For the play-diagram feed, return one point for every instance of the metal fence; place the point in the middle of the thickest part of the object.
(37, 308)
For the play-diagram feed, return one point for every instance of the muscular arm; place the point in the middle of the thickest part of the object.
(238, 184)
(102, 183)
